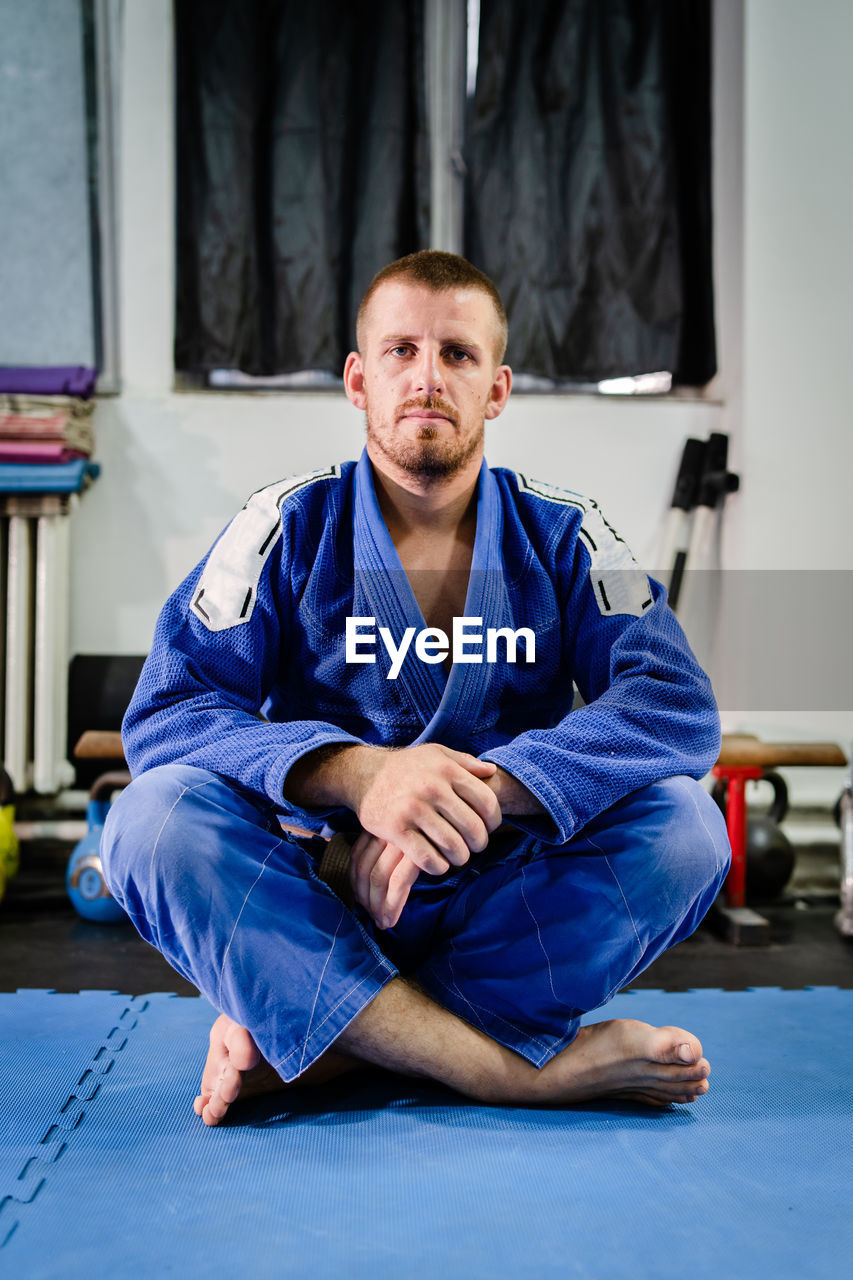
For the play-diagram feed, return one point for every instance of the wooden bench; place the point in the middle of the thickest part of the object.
(744, 757)
(99, 744)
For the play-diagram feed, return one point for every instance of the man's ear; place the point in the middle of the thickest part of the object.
(354, 380)
(499, 394)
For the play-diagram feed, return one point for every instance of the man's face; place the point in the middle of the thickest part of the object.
(427, 377)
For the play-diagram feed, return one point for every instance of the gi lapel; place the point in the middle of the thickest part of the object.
(382, 591)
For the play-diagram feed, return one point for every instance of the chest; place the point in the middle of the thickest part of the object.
(440, 595)
(438, 575)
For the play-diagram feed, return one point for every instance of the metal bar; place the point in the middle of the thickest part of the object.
(107, 55)
(18, 651)
(446, 55)
(50, 682)
(736, 823)
(4, 553)
(736, 777)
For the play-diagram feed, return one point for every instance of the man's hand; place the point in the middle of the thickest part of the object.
(429, 803)
(381, 877)
(421, 809)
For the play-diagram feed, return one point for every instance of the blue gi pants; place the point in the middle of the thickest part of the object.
(520, 942)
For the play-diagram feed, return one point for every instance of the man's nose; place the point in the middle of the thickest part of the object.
(428, 373)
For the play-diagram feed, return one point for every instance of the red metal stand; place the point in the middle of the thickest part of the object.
(737, 777)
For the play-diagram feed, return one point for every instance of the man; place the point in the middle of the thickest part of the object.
(411, 626)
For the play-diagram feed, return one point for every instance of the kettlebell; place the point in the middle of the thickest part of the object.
(9, 850)
(84, 878)
(769, 855)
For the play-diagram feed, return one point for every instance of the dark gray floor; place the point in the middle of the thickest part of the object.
(45, 944)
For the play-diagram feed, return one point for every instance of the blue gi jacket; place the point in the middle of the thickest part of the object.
(258, 630)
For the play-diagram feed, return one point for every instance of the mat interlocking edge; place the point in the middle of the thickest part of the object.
(105, 1168)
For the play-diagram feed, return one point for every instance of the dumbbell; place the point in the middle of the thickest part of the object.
(84, 878)
(9, 854)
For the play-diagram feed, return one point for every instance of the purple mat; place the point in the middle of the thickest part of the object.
(56, 380)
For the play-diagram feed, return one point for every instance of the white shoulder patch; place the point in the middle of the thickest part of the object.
(617, 581)
(226, 594)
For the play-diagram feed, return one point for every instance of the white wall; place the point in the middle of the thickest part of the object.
(177, 466)
(796, 440)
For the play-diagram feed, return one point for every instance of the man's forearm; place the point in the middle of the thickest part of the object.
(338, 775)
(512, 795)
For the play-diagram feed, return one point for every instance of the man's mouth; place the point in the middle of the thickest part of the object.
(428, 412)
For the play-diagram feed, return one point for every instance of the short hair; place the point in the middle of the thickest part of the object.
(437, 271)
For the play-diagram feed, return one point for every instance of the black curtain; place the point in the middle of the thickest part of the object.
(302, 170)
(589, 191)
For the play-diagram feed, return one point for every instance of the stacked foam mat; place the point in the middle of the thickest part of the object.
(104, 1168)
(46, 438)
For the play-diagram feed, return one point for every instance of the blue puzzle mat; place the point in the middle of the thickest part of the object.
(105, 1170)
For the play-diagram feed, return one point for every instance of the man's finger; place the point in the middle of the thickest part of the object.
(470, 830)
(473, 764)
(479, 797)
(364, 855)
(425, 855)
(402, 878)
(380, 878)
(450, 836)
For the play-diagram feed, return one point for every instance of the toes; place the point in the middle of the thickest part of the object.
(677, 1045)
(687, 1098)
(218, 1029)
(681, 1094)
(699, 1071)
(227, 1091)
(210, 1075)
(214, 1111)
(229, 1085)
(662, 1093)
(232, 1051)
(671, 1076)
(242, 1051)
(213, 1102)
(216, 1056)
(661, 1096)
(687, 1088)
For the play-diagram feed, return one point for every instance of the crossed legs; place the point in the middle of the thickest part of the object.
(403, 1030)
(279, 1010)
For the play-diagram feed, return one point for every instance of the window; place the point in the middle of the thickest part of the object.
(563, 147)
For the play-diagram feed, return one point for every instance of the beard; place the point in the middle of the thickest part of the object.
(431, 455)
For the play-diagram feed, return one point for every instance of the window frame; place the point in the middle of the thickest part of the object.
(103, 59)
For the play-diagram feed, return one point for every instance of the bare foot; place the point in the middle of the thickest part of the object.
(626, 1059)
(620, 1058)
(235, 1068)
